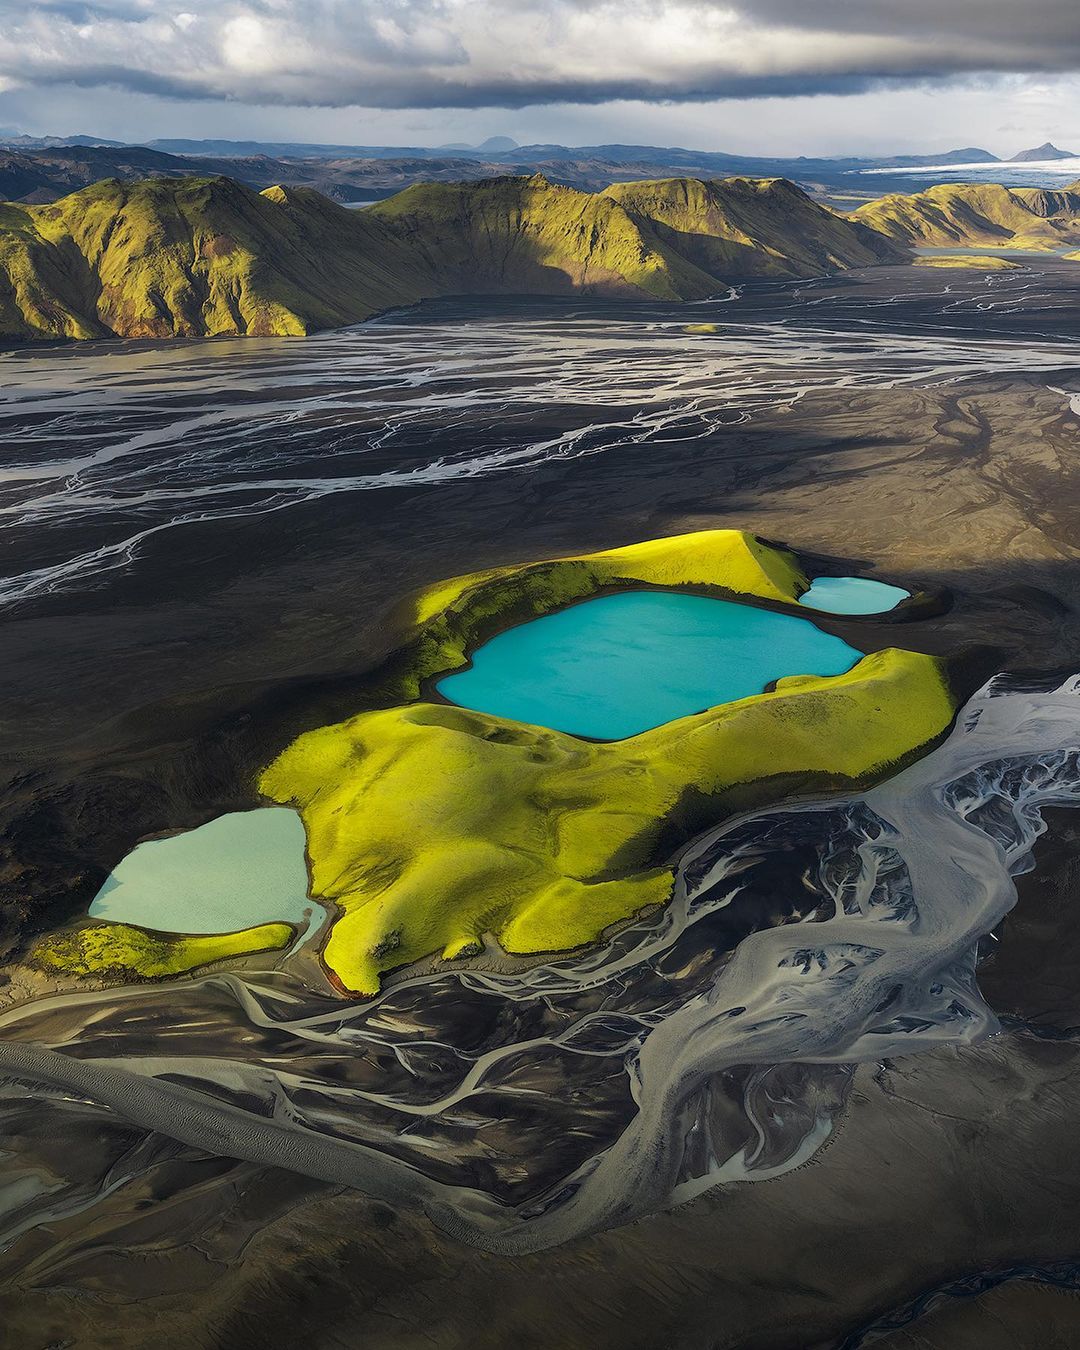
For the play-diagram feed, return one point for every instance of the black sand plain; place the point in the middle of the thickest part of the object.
(942, 1213)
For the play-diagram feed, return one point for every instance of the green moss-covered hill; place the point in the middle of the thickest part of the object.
(673, 238)
(978, 213)
(192, 258)
(195, 257)
(751, 227)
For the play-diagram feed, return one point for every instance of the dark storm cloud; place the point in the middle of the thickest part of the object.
(477, 53)
(1002, 22)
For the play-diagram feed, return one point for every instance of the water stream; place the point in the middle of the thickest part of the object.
(710, 1045)
(109, 447)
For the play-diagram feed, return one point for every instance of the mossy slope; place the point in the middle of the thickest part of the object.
(977, 213)
(430, 825)
(118, 951)
(193, 257)
(983, 262)
(750, 227)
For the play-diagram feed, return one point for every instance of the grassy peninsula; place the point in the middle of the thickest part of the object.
(980, 262)
(119, 951)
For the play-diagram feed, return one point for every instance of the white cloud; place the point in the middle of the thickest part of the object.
(513, 53)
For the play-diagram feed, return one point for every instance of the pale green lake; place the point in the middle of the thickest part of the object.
(852, 595)
(242, 869)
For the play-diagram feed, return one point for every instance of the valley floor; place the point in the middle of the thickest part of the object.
(925, 424)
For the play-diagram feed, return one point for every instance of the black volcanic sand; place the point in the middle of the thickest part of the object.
(149, 704)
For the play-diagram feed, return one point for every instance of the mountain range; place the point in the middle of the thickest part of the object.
(48, 174)
(46, 168)
(194, 257)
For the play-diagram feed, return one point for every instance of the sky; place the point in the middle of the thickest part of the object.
(750, 76)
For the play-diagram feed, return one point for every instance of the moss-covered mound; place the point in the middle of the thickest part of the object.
(430, 826)
(971, 214)
(982, 262)
(117, 951)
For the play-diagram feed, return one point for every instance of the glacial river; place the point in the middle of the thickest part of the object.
(713, 1043)
(157, 437)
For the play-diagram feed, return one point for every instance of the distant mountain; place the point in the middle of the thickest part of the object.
(45, 175)
(352, 173)
(503, 149)
(292, 150)
(193, 257)
(369, 173)
(492, 144)
(720, 161)
(971, 154)
(1042, 152)
(18, 141)
(972, 214)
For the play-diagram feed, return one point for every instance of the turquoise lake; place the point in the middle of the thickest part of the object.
(622, 664)
(242, 869)
(852, 595)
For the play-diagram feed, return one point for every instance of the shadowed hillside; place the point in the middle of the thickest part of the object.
(197, 257)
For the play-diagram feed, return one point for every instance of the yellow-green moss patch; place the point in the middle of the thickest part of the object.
(983, 262)
(119, 951)
(431, 825)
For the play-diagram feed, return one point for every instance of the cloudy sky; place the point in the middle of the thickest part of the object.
(768, 76)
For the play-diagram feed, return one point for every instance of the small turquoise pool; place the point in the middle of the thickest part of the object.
(242, 869)
(852, 595)
(622, 664)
